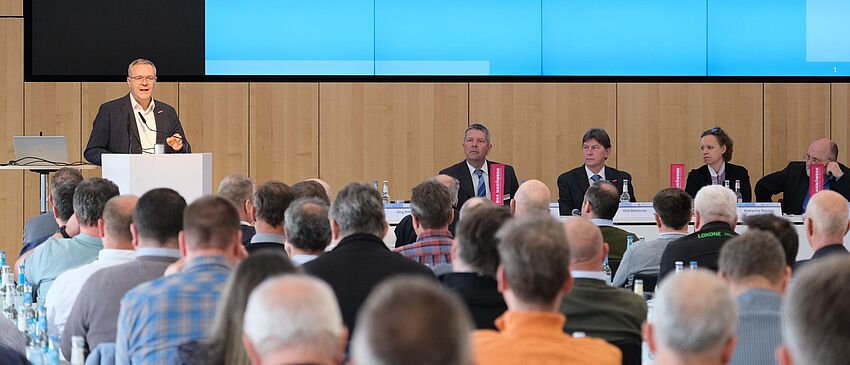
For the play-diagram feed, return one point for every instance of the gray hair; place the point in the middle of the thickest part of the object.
(237, 189)
(536, 257)
(411, 320)
(753, 253)
(603, 198)
(477, 127)
(472, 204)
(453, 186)
(431, 204)
(358, 209)
(698, 313)
(307, 224)
(716, 203)
(140, 61)
(828, 218)
(293, 310)
(815, 323)
(90, 197)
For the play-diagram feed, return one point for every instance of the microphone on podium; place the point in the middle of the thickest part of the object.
(145, 122)
(575, 212)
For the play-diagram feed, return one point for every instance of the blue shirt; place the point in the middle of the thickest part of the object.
(57, 255)
(158, 316)
(759, 330)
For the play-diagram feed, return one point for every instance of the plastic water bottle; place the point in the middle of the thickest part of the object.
(639, 287)
(52, 351)
(2, 258)
(22, 281)
(629, 242)
(77, 347)
(625, 197)
(25, 312)
(694, 265)
(606, 270)
(35, 354)
(738, 191)
(680, 266)
(726, 184)
(386, 192)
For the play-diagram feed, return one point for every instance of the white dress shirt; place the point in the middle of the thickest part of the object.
(716, 175)
(485, 176)
(146, 136)
(62, 295)
(590, 174)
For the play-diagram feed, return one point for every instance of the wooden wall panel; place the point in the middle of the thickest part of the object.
(398, 132)
(284, 134)
(794, 116)
(11, 124)
(215, 119)
(660, 124)
(840, 123)
(537, 128)
(52, 108)
(12, 8)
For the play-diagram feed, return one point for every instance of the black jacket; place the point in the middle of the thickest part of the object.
(702, 246)
(460, 171)
(114, 124)
(793, 182)
(700, 177)
(480, 294)
(574, 183)
(825, 251)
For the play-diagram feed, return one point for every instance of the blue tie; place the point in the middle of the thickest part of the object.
(596, 178)
(482, 189)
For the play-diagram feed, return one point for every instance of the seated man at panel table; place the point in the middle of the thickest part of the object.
(715, 218)
(308, 230)
(136, 122)
(672, 213)
(404, 232)
(532, 197)
(57, 255)
(753, 264)
(239, 191)
(270, 203)
(46, 224)
(793, 181)
(601, 203)
(473, 173)
(826, 225)
(572, 184)
(431, 208)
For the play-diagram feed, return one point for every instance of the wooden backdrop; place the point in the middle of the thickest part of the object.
(405, 132)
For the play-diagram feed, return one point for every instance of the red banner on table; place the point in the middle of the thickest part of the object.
(497, 183)
(677, 175)
(815, 178)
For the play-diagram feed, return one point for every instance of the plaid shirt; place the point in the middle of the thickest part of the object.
(431, 248)
(158, 316)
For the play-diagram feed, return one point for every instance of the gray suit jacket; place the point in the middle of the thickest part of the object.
(95, 313)
(40, 226)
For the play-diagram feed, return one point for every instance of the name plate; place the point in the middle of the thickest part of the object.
(745, 209)
(641, 212)
(394, 212)
(555, 209)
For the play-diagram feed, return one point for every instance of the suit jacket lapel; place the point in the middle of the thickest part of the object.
(583, 182)
(465, 179)
(135, 140)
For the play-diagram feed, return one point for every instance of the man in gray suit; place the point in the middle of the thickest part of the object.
(157, 220)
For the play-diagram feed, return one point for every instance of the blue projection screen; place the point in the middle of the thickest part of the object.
(528, 37)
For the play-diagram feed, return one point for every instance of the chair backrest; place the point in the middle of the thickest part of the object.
(632, 351)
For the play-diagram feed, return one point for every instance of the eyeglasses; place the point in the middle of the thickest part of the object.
(140, 78)
(813, 159)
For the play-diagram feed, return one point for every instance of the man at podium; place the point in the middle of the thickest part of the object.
(136, 123)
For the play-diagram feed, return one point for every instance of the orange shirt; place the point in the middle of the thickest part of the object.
(538, 338)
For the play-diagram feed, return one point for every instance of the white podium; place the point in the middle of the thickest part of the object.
(190, 174)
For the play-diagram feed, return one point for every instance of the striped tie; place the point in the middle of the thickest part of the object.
(482, 189)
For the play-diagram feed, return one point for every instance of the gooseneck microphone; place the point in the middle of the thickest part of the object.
(167, 135)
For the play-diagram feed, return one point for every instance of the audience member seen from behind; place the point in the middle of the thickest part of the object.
(782, 229)
(815, 325)
(695, 322)
(405, 233)
(533, 276)
(753, 264)
(158, 316)
(224, 345)
(472, 203)
(293, 319)
(310, 189)
(270, 202)
(475, 258)
(385, 333)
(532, 197)
(672, 214)
(56, 221)
(826, 225)
(308, 230)
(715, 217)
(601, 203)
(239, 191)
(157, 221)
(431, 209)
(716, 147)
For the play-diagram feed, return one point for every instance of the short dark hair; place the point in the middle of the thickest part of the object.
(723, 139)
(535, 256)
(159, 215)
(603, 198)
(476, 239)
(673, 206)
(358, 209)
(477, 127)
(63, 198)
(89, 198)
(210, 222)
(431, 204)
(753, 253)
(271, 200)
(779, 227)
(307, 224)
(311, 189)
(599, 135)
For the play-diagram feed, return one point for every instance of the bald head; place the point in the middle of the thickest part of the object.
(823, 150)
(117, 216)
(532, 197)
(471, 203)
(826, 218)
(587, 249)
(450, 183)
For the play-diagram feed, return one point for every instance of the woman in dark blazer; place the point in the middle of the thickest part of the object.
(716, 147)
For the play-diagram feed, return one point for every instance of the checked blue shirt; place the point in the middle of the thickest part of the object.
(158, 316)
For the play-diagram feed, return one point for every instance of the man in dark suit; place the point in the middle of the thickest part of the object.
(793, 181)
(360, 261)
(826, 225)
(572, 184)
(473, 173)
(135, 123)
